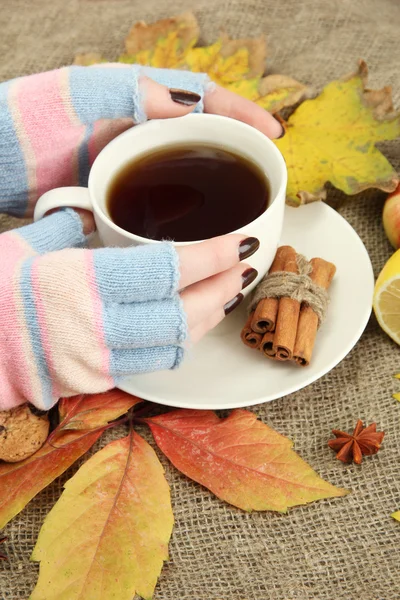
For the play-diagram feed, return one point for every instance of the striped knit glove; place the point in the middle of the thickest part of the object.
(75, 321)
(53, 125)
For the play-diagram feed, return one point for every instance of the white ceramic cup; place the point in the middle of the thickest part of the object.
(193, 129)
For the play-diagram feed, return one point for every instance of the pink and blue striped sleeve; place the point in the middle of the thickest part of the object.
(71, 322)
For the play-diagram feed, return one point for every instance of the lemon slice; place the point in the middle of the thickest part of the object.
(387, 297)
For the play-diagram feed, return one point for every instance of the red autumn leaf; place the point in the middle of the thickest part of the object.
(20, 482)
(240, 459)
(94, 413)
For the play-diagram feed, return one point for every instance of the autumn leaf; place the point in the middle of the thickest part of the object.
(332, 138)
(94, 410)
(20, 482)
(163, 44)
(89, 59)
(273, 92)
(396, 515)
(240, 459)
(397, 395)
(228, 61)
(279, 91)
(235, 64)
(108, 534)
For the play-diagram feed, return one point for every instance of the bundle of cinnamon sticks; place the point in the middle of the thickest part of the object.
(283, 328)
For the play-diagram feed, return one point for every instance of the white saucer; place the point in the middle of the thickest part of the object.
(220, 372)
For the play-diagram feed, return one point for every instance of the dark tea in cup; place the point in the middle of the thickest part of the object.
(187, 193)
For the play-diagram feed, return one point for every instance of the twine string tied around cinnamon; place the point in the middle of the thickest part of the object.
(297, 286)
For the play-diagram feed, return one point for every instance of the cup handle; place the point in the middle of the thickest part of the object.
(73, 197)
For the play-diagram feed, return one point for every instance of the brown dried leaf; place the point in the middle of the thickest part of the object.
(273, 92)
(162, 44)
(280, 91)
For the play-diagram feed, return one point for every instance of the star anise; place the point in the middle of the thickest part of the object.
(3, 556)
(353, 446)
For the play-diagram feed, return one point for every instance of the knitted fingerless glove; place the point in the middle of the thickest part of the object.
(76, 321)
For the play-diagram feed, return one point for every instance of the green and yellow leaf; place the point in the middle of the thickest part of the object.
(332, 138)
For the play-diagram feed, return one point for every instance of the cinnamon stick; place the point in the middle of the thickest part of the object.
(267, 345)
(249, 337)
(322, 274)
(288, 314)
(264, 316)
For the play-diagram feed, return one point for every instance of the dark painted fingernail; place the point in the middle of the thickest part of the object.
(247, 247)
(184, 97)
(232, 304)
(282, 134)
(248, 276)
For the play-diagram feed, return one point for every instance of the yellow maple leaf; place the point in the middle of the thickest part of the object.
(273, 92)
(228, 61)
(163, 44)
(107, 536)
(396, 515)
(332, 138)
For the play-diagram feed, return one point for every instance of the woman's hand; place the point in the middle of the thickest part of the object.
(73, 320)
(54, 124)
(76, 321)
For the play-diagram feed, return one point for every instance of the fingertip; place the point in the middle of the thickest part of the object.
(88, 223)
(221, 101)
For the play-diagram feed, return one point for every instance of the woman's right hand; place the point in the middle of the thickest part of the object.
(76, 321)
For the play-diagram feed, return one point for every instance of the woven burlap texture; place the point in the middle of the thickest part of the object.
(340, 549)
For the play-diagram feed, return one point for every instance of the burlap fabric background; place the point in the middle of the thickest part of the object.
(344, 548)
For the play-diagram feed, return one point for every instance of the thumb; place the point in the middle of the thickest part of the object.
(161, 102)
(62, 229)
(86, 217)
